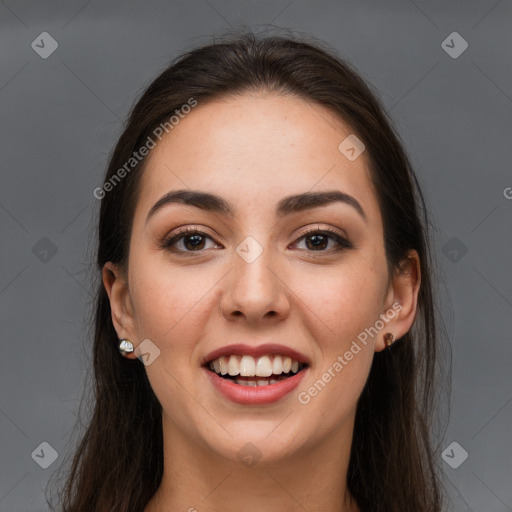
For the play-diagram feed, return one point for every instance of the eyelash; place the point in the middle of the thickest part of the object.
(343, 243)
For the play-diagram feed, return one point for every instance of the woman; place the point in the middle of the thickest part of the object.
(265, 332)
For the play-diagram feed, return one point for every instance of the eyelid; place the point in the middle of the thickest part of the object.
(314, 229)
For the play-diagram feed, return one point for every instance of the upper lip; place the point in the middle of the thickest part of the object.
(255, 351)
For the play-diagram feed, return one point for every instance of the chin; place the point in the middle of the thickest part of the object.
(258, 442)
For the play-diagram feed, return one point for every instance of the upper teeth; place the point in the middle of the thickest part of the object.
(248, 366)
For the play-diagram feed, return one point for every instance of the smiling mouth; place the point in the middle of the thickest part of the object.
(251, 371)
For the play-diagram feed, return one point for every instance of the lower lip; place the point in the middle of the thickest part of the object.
(255, 395)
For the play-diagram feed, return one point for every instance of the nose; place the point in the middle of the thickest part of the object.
(255, 291)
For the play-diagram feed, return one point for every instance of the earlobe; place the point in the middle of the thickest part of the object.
(402, 300)
(116, 287)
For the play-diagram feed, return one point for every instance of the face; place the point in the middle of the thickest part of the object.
(272, 279)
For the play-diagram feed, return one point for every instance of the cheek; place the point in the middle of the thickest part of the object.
(166, 301)
(342, 307)
(347, 298)
(349, 303)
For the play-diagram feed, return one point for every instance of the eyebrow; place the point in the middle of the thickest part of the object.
(287, 205)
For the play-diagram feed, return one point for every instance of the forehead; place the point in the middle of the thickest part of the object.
(256, 148)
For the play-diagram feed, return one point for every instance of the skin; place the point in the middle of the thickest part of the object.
(253, 150)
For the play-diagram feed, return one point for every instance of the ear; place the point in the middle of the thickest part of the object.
(402, 299)
(116, 285)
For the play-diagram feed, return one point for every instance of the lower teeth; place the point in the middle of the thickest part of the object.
(257, 382)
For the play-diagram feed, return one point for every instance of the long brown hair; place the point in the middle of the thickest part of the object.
(118, 464)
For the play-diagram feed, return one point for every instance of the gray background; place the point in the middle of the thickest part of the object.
(61, 116)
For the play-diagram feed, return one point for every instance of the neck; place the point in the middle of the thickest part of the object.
(197, 480)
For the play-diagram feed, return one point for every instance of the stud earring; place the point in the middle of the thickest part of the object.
(389, 339)
(125, 347)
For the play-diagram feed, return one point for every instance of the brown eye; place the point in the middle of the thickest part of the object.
(191, 240)
(318, 241)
